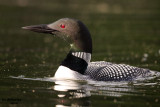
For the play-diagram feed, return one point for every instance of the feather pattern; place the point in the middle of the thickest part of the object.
(106, 71)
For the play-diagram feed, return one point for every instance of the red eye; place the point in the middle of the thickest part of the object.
(62, 26)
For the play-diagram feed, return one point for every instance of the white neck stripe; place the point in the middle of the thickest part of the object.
(83, 55)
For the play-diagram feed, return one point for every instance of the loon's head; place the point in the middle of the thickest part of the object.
(71, 30)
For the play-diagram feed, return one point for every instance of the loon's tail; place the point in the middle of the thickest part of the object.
(155, 73)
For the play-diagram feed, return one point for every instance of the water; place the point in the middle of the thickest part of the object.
(122, 32)
(51, 92)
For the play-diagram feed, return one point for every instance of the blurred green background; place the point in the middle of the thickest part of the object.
(123, 31)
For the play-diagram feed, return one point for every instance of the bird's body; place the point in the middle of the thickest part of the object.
(105, 71)
(99, 70)
(77, 64)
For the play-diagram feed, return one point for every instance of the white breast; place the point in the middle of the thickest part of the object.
(66, 73)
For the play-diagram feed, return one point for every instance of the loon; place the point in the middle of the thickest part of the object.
(77, 64)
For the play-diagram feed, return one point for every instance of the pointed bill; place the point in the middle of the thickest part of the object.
(43, 28)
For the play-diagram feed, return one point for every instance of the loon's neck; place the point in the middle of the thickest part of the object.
(73, 66)
(77, 61)
(83, 55)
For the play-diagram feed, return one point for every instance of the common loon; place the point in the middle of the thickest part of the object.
(77, 64)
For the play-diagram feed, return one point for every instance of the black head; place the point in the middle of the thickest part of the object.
(71, 30)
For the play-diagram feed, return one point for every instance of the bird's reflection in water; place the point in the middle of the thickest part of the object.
(81, 93)
(72, 93)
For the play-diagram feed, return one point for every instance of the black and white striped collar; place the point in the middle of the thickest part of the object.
(77, 61)
(83, 55)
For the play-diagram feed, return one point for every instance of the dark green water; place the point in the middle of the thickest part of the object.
(122, 32)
